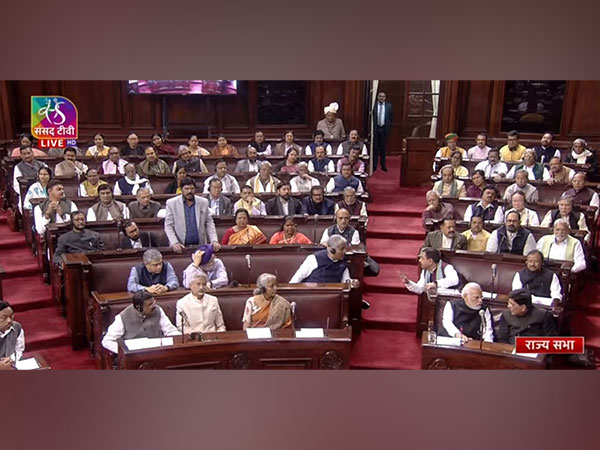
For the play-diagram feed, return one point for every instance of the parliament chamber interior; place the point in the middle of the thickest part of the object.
(229, 224)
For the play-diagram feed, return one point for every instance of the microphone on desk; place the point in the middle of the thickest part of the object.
(249, 262)
(482, 327)
(494, 277)
(184, 319)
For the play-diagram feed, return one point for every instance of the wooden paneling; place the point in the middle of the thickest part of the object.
(584, 120)
(475, 105)
(99, 103)
(416, 165)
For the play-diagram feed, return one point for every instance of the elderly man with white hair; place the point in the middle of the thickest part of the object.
(565, 211)
(199, 312)
(581, 155)
(325, 266)
(264, 181)
(535, 170)
(153, 275)
(522, 184)
(449, 186)
(303, 182)
(462, 317)
(436, 209)
(331, 125)
(562, 246)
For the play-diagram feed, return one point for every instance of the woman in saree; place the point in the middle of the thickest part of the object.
(289, 233)
(266, 309)
(242, 233)
(223, 148)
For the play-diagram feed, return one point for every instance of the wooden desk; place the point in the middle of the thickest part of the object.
(492, 356)
(233, 350)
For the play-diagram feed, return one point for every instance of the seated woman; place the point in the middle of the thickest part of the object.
(580, 154)
(99, 149)
(250, 203)
(476, 189)
(204, 261)
(449, 186)
(290, 165)
(26, 140)
(175, 186)
(223, 148)
(287, 144)
(242, 233)
(456, 163)
(160, 147)
(39, 188)
(289, 233)
(195, 148)
(266, 309)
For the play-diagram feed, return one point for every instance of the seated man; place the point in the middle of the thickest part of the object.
(70, 167)
(541, 283)
(353, 158)
(107, 208)
(511, 237)
(535, 170)
(12, 337)
(229, 184)
(351, 203)
(449, 186)
(479, 152)
(263, 148)
(512, 151)
(250, 203)
(142, 319)
(545, 151)
(283, 204)
(303, 182)
(114, 164)
(462, 317)
(565, 211)
(344, 179)
(133, 147)
(353, 141)
(562, 246)
(55, 209)
(318, 141)
(559, 174)
(436, 210)
(264, 181)
(144, 207)
(218, 204)
(342, 228)
(476, 236)
(131, 182)
(522, 184)
(317, 203)
(250, 164)
(487, 208)
(78, 240)
(523, 319)
(89, 188)
(434, 273)
(320, 163)
(451, 146)
(528, 216)
(582, 194)
(580, 155)
(152, 275)
(446, 237)
(204, 261)
(133, 238)
(28, 168)
(325, 266)
(266, 309)
(493, 167)
(152, 165)
(198, 312)
(191, 164)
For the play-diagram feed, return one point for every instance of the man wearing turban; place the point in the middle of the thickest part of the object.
(331, 125)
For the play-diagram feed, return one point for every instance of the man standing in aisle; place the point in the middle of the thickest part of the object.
(382, 125)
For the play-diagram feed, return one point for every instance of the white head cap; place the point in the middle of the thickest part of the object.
(333, 108)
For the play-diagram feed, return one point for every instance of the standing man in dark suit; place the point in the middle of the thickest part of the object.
(382, 125)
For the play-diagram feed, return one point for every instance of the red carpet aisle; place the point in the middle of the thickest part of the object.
(394, 236)
(31, 299)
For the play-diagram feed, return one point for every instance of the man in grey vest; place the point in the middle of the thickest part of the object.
(55, 209)
(12, 337)
(142, 319)
(144, 207)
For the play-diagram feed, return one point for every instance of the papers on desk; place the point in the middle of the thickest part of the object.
(310, 333)
(447, 291)
(444, 340)
(142, 343)
(258, 333)
(27, 364)
(527, 355)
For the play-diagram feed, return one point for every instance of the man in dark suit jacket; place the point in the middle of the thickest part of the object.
(218, 204)
(446, 237)
(133, 238)
(276, 206)
(382, 125)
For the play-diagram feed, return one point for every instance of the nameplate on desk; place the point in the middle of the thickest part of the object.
(310, 333)
(27, 364)
(445, 340)
(258, 333)
(142, 343)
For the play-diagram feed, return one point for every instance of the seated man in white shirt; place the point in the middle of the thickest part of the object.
(480, 151)
(55, 209)
(326, 266)
(303, 182)
(542, 283)
(522, 184)
(565, 211)
(462, 318)
(511, 237)
(142, 319)
(229, 183)
(341, 227)
(562, 246)
(198, 312)
(107, 207)
(493, 167)
(488, 208)
(435, 274)
(114, 164)
(529, 218)
(535, 170)
(12, 337)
